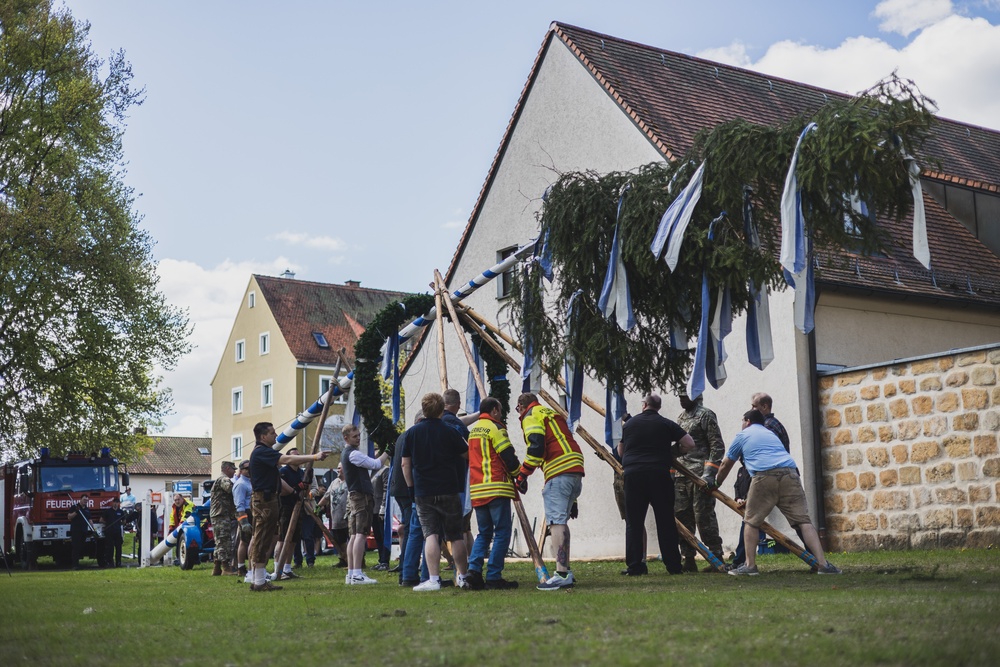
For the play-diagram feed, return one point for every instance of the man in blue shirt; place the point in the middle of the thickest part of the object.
(241, 497)
(774, 482)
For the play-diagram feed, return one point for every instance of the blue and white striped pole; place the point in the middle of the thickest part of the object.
(340, 386)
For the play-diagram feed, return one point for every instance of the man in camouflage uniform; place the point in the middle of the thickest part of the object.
(223, 513)
(691, 506)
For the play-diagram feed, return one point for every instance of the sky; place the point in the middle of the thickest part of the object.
(349, 141)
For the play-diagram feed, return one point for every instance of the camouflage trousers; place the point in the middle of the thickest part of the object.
(225, 539)
(696, 509)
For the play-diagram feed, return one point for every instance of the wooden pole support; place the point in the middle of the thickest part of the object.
(442, 362)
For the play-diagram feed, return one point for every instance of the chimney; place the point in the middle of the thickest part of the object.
(353, 283)
(288, 274)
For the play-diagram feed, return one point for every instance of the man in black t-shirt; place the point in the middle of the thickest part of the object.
(266, 483)
(435, 463)
(79, 528)
(291, 495)
(647, 451)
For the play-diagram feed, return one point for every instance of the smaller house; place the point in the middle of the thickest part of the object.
(172, 459)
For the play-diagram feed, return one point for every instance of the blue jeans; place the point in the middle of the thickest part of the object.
(414, 550)
(494, 525)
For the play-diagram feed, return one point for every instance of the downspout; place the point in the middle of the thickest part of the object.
(816, 438)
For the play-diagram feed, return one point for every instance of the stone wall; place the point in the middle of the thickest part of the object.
(910, 453)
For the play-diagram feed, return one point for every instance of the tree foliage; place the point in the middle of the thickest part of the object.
(858, 147)
(82, 323)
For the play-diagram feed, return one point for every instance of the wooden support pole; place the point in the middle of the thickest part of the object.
(442, 293)
(442, 362)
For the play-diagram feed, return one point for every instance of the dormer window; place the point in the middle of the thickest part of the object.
(321, 340)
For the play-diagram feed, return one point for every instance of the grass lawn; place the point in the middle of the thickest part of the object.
(889, 608)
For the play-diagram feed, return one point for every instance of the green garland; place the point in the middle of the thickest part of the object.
(857, 147)
(368, 396)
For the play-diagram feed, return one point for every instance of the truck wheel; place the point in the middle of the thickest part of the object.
(189, 556)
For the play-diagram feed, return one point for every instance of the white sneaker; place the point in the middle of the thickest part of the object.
(364, 579)
(556, 581)
(249, 578)
(460, 582)
(271, 576)
(429, 585)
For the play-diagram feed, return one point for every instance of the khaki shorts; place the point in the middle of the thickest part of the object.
(781, 488)
(441, 515)
(360, 509)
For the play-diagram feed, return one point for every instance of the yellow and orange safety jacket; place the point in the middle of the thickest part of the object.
(492, 463)
(550, 444)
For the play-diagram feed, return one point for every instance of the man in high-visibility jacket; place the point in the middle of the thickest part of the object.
(492, 466)
(552, 448)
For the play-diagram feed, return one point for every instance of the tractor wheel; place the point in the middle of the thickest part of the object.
(189, 555)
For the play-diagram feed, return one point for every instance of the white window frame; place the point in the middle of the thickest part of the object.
(251, 299)
(340, 399)
(267, 393)
(241, 350)
(237, 403)
(265, 343)
(505, 280)
(236, 447)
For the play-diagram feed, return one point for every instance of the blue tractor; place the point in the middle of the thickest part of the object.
(198, 543)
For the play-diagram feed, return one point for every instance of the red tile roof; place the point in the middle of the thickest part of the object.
(175, 456)
(339, 312)
(671, 96)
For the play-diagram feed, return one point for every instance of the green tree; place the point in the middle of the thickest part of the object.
(82, 323)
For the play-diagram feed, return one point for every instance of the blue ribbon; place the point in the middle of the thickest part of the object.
(615, 295)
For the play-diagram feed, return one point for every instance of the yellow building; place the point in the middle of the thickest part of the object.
(281, 355)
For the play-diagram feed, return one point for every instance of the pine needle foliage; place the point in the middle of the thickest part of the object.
(858, 147)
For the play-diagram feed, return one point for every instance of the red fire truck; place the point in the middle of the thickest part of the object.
(36, 496)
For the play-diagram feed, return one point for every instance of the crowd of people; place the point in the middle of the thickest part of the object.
(445, 467)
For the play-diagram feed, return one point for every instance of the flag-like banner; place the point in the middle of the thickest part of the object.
(760, 349)
(573, 370)
(614, 409)
(675, 220)
(921, 250)
(615, 296)
(472, 397)
(696, 381)
(796, 245)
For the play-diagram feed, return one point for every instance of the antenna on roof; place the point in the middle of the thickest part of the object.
(770, 86)
(825, 98)
(934, 279)
(895, 272)
(968, 284)
(716, 72)
(857, 268)
(663, 59)
(602, 45)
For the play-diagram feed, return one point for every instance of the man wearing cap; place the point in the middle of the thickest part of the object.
(222, 510)
(692, 508)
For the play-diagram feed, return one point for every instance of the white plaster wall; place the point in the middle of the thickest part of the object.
(569, 123)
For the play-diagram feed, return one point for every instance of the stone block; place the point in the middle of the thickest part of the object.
(930, 384)
(898, 408)
(968, 471)
(866, 481)
(857, 542)
(878, 456)
(889, 390)
(866, 434)
(854, 457)
(942, 472)
(964, 517)
(924, 451)
(984, 445)
(980, 493)
(844, 397)
(970, 358)
(922, 497)
(993, 356)
(991, 468)
(857, 502)
(925, 366)
(958, 446)
(834, 503)
(946, 364)
(938, 519)
(909, 429)
(951, 496)
(826, 382)
(879, 374)
(843, 437)
(888, 478)
(839, 523)
(983, 539)
(987, 516)
(991, 418)
(891, 542)
(909, 475)
(956, 379)
(995, 393)
(908, 386)
(984, 376)
(947, 402)
(871, 392)
(883, 521)
(905, 522)
(935, 426)
(890, 500)
(900, 453)
(845, 481)
(831, 419)
(877, 413)
(852, 414)
(832, 460)
(850, 379)
(943, 539)
(824, 438)
(922, 405)
(968, 421)
(975, 398)
(886, 433)
(867, 521)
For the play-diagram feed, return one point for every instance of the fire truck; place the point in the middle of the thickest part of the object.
(36, 496)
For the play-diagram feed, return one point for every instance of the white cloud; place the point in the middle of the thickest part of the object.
(955, 61)
(907, 16)
(735, 54)
(453, 224)
(311, 241)
(211, 297)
